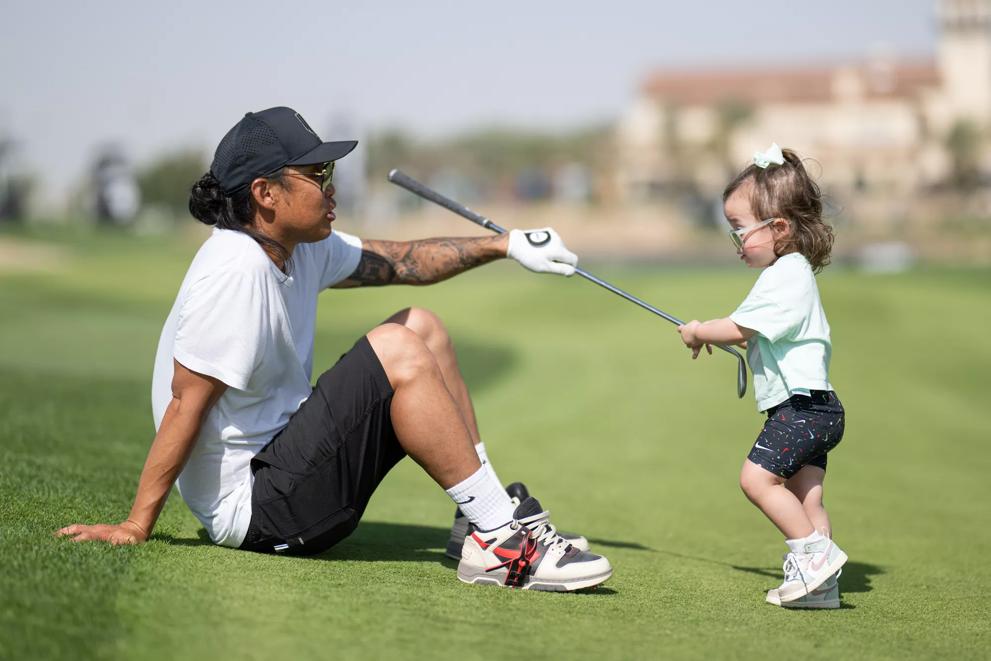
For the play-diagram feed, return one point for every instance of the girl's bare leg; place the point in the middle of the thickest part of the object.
(806, 484)
(768, 492)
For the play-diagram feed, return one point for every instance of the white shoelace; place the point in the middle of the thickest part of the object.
(791, 569)
(543, 530)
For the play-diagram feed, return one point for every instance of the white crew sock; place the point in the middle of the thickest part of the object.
(798, 545)
(484, 458)
(483, 500)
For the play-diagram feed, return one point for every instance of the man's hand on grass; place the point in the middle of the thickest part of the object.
(126, 532)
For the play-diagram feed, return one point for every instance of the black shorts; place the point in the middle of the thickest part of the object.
(799, 432)
(315, 478)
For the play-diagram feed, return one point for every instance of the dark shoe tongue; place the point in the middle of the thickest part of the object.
(518, 491)
(528, 507)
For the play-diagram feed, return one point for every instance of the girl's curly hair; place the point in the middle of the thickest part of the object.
(787, 191)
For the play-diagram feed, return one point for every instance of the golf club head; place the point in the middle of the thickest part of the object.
(741, 377)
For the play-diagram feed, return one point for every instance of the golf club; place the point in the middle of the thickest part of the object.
(412, 185)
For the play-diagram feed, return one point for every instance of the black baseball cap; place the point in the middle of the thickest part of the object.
(265, 141)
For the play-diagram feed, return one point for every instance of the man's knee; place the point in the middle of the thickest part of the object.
(404, 354)
(428, 326)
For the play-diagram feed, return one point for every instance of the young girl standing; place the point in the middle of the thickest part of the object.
(775, 210)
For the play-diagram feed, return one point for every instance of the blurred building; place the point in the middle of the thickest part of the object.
(887, 123)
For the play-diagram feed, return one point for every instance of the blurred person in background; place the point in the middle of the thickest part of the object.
(14, 186)
(117, 196)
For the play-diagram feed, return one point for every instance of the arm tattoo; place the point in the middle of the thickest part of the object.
(421, 262)
(373, 269)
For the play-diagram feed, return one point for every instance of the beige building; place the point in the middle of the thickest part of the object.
(884, 124)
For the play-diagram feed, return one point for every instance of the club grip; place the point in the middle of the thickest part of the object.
(402, 179)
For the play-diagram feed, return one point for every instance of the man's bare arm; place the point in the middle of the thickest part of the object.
(193, 395)
(422, 262)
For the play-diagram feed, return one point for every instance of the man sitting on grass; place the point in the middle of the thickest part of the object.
(266, 461)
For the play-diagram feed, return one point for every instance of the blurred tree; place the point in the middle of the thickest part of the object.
(166, 181)
(492, 159)
(671, 136)
(15, 192)
(680, 162)
(507, 151)
(964, 142)
(389, 149)
(731, 114)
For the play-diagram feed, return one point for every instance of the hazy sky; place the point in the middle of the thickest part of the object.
(161, 75)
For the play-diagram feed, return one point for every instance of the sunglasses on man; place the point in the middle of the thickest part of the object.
(322, 178)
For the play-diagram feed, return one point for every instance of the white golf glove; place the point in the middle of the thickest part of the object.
(541, 251)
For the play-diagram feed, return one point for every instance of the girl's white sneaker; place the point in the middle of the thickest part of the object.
(826, 595)
(807, 570)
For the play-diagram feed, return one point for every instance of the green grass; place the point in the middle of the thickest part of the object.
(589, 400)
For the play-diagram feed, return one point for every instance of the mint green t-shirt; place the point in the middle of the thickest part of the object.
(790, 353)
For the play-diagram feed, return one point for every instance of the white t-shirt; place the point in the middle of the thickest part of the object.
(790, 354)
(238, 318)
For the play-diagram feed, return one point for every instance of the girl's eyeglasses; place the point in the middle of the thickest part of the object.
(322, 178)
(739, 236)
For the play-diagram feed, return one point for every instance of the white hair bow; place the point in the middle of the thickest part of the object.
(773, 155)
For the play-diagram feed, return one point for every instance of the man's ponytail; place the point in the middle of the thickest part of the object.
(211, 206)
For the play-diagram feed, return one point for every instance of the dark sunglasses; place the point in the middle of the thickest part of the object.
(322, 178)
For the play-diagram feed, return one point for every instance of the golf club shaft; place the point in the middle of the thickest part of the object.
(412, 185)
(402, 179)
(646, 306)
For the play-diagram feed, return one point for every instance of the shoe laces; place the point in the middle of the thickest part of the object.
(791, 568)
(543, 530)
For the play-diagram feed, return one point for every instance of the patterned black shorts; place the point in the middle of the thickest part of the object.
(799, 432)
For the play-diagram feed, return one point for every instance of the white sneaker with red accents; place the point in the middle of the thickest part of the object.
(517, 494)
(516, 556)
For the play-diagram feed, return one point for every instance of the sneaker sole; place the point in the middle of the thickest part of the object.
(827, 571)
(776, 601)
(542, 585)
(835, 603)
